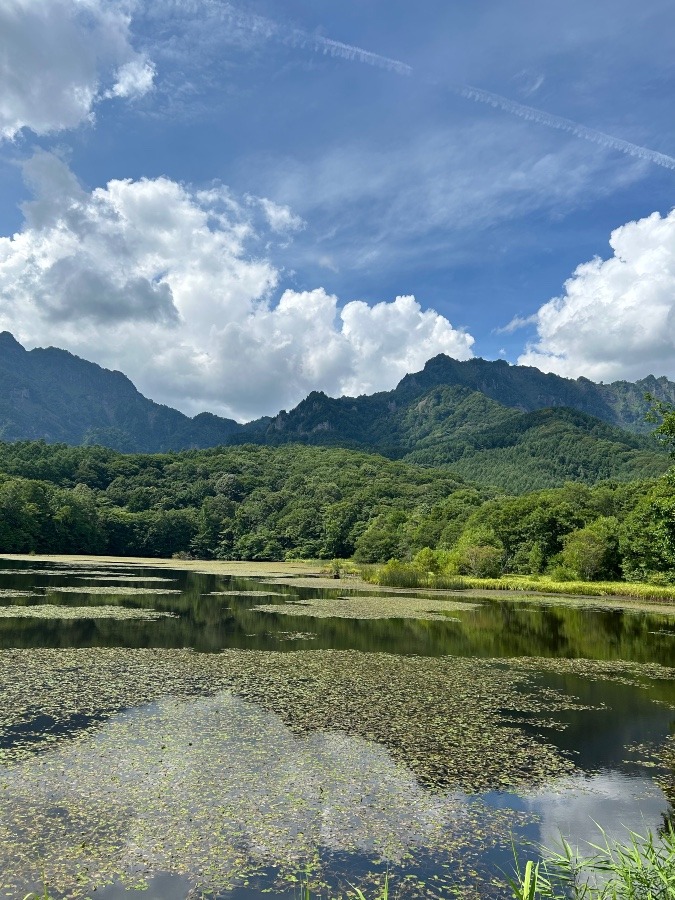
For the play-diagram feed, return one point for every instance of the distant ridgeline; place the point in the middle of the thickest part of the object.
(509, 426)
(50, 394)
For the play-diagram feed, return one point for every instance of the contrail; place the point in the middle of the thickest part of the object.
(347, 51)
(497, 101)
(532, 114)
(269, 29)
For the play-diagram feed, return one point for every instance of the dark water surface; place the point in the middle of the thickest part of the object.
(611, 786)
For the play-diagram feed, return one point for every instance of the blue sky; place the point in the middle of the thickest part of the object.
(225, 200)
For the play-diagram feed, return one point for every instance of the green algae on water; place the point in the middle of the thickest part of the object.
(217, 766)
(244, 593)
(101, 576)
(443, 718)
(123, 590)
(52, 611)
(365, 607)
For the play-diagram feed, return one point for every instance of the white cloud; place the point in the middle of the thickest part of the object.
(134, 79)
(280, 218)
(391, 339)
(616, 318)
(56, 57)
(516, 323)
(163, 283)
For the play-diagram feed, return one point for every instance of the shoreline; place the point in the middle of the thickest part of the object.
(311, 574)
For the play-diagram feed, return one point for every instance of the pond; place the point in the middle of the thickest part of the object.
(197, 735)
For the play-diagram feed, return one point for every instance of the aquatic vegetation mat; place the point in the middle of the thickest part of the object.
(217, 789)
(102, 576)
(52, 611)
(244, 593)
(363, 607)
(444, 718)
(327, 582)
(121, 589)
(621, 672)
(292, 635)
(80, 572)
(117, 764)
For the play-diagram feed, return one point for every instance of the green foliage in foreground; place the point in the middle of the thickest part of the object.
(641, 869)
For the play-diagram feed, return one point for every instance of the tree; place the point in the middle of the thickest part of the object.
(648, 537)
(593, 552)
(664, 415)
(382, 539)
(479, 553)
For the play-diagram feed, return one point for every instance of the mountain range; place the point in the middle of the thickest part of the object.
(511, 426)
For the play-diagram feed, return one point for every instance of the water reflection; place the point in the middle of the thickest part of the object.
(577, 809)
(218, 791)
(206, 794)
(210, 617)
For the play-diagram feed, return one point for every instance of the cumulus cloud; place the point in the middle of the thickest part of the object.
(616, 318)
(168, 285)
(56, 58)
(134, 78)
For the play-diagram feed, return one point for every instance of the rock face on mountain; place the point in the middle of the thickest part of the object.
(53, 395)
(520, 388)
(621, 403)
(513, 426)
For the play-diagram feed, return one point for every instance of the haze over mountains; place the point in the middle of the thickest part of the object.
(511, 426)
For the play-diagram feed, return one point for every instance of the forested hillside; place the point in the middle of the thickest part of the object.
(478, 437)
(263, 503)
(230, 503)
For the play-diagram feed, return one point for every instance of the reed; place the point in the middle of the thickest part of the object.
(642, 868)
(408, 575)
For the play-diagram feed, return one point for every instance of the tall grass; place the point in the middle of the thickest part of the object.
(641, 869)
(408, 575)
(545, 585)
(381, 894)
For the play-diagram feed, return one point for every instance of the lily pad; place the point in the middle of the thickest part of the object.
(52, 611)
(378, 607)
(110, 589)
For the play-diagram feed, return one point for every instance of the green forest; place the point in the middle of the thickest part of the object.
(274, 503)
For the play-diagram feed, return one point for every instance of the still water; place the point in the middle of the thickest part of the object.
(159, 731)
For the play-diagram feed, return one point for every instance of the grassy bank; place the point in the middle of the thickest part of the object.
(407, 575)
(322, 574)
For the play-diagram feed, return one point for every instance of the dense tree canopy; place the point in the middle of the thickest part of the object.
(264, 503)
